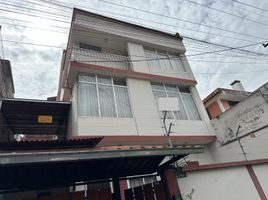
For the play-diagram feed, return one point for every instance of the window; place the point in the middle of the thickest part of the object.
(233, 103)
(188, 110)
(89, 47)
(164, 61)
(136, 182)
(103, 96)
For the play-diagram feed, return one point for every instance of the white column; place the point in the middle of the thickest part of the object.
(136, 52)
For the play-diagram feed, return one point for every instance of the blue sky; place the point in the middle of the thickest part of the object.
(36, 68)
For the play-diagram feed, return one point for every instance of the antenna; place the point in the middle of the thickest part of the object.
(168, 104)
(2, 46)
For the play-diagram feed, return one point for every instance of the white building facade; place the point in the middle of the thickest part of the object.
(114, 72)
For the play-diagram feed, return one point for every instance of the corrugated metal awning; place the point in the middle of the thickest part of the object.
(38, 170)
(22, 116)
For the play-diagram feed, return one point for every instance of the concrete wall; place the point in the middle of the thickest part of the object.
(131, 33)
(133, 39)
(6, 80)
(261, 172)
(73, 115)
(145, 121)
(250, 114)
(220, 184)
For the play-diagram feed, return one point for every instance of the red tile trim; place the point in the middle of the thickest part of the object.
(132, 74)
(256, 182)
(190, 167)
(150, 139)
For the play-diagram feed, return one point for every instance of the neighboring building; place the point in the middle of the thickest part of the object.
(222, 99)
(6, 91)
(6, 80)
(240, 155)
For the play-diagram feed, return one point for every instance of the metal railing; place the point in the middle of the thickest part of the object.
(100, 58)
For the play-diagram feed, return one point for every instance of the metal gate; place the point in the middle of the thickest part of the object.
(151, 191)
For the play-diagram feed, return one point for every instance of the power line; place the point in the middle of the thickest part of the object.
(217, 44)
(33, 9)
(175, 18)
(231, 73)
(222, 11)
(244, 9)
(32, 15)
(249, 5)
(29, 43)
(196, 39)
(69, 7)
(185, 36)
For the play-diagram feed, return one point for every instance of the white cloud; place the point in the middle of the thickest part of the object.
(36, 69)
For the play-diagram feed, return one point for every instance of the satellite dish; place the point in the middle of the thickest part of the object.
(168, 104)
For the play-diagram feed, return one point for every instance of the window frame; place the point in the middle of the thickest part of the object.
(181, 99)
(169, 55)
(96, 83)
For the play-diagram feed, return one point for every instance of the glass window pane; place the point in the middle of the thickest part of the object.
(171, 88)
(122, 102)
(87, 78)
(119, 81)
(107, 104)
(158, 86)
(190, 106)
(176, 63)
(181, 114)
(152, 58)
(87, 100)
(164, 61)
(104, 80)
(184, 89)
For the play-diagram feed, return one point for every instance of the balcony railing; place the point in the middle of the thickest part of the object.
(100, 58)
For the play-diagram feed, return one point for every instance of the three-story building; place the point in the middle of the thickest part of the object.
(114, 72)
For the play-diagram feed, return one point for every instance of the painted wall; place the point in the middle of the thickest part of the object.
(250, 114)
(133, 34)
(261, 172)
(6, 79)
(145, 121)
(214, 109)
(225, 104)
(221, 184)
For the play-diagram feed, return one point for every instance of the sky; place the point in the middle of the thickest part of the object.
(35, 32)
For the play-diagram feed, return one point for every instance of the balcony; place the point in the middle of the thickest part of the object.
(100, 58)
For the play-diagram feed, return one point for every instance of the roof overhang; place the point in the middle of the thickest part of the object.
(39, 170)
(19, 158)
(153, 140)
(22, 115)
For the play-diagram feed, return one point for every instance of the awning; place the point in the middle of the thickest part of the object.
(22, 116)
(36, 170)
